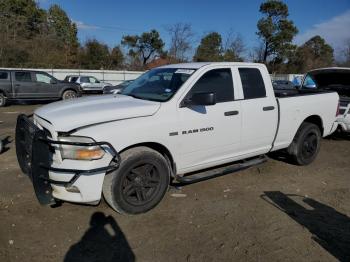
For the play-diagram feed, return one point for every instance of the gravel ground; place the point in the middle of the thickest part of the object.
(273, 212)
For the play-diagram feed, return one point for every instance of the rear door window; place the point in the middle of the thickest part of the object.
(252, 83)
(84, 79)
(23, 76)
(74, 79)
(218, 81)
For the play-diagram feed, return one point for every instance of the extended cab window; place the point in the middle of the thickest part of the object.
(252, 83)
(218, 81)
(23, 76)
(3, 75)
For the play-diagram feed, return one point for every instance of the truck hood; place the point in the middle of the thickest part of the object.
(76, 113)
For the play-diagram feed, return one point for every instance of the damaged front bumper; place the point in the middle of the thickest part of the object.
(35, 149)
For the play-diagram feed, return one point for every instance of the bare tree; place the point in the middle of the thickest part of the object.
(346, 53)
(257, 54)
(181, 39)
(234, 47)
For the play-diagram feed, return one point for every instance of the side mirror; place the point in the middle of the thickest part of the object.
(201, 99)
(53, 81)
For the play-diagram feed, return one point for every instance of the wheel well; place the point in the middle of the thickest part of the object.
(315, 120)
(68, 89)
(159, 148)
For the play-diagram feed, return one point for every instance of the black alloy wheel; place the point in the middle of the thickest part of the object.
(140, 184)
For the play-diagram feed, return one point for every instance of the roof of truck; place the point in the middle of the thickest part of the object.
(197, 65)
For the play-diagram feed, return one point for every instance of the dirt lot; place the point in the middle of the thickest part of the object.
(274, 212)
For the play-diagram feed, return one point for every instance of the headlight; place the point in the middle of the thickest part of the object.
(80, 152)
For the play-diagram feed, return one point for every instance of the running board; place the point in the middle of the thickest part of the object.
(221, 171)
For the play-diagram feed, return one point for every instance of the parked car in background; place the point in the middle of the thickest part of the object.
(34, 85)
(282, 84)
(333, 79)
(169, 123)
(284, 88)
(116, 89)
(89, 84)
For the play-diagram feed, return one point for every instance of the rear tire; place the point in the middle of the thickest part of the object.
(139, 183)
(69, 94)
(2, 100)
(306, 144)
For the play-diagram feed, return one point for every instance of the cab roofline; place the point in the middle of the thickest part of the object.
(197, 65)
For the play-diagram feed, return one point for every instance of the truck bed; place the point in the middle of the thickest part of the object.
(295, 107)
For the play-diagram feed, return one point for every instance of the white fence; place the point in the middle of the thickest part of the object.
(109, 76)
(115, 77)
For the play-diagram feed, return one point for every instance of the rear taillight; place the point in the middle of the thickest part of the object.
(338, 110)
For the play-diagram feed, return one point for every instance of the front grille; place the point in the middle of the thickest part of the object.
(33, 153)
(25, 131)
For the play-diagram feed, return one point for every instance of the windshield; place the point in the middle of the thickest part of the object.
(159, 84)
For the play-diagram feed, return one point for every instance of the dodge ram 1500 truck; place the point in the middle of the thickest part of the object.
(170, 124)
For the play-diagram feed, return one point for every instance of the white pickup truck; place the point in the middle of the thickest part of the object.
(167, 126)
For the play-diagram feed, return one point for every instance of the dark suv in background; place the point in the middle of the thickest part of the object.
(34, 85)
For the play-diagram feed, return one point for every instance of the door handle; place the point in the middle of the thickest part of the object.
(231, 113)
(268, 108)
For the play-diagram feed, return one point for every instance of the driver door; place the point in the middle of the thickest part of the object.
(94, 83)
(210, 134)
(45, 84)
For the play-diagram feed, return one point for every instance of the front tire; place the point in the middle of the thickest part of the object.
(2, 100)
(69, 94)
(306, 144)
(139, 183)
